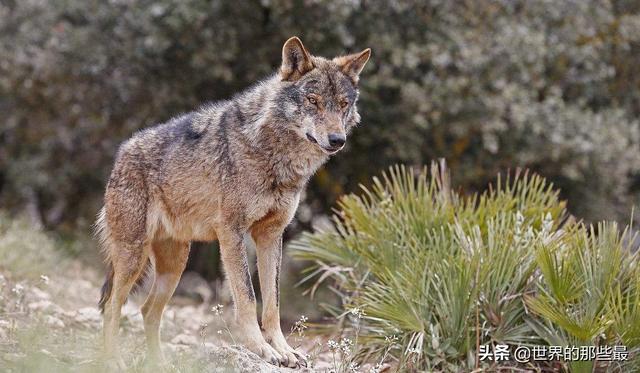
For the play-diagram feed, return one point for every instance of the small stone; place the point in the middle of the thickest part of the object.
(88, 315)
(178, 348)
(39, 305)
(184, 339)
(192, 285)
(54, 322)
(39, 294)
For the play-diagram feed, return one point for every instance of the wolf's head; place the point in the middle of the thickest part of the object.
(319, 95)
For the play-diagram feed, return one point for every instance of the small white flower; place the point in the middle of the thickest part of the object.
(333, 345)
(345, 346)
(44, 279)
(17, 289)
(300, 325)
(357, 312)
(391, 339)
(353, 367)
(217, 310)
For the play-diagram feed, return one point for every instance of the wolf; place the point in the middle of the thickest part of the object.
(227, 171)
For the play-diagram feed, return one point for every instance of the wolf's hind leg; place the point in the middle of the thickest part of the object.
(234, 259)
(128, 262)
(169, 258)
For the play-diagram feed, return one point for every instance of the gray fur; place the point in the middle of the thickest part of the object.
(224, 170)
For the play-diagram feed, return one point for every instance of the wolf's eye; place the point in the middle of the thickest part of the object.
(312, 100)
(343, 104)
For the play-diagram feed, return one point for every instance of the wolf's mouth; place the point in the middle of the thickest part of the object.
(329, 149)
(312, 139)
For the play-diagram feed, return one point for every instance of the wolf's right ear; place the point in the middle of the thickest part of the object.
(296, 61)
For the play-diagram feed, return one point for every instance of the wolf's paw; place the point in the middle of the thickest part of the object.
(264, 350)
(291, 357)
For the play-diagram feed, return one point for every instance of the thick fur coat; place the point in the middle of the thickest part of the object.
(228, 170)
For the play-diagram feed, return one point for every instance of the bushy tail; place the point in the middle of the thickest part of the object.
(105, 293)
(102, 233)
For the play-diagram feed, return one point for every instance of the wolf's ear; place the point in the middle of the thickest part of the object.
(353, 64)
(296, 61)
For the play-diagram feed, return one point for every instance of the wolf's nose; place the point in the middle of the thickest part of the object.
(336, 140)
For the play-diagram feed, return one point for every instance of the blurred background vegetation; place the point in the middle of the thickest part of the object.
(488, 85)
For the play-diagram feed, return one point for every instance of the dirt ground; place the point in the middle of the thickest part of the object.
(52, 323)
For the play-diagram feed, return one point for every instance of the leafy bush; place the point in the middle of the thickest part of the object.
(446, 273)
(486, 84)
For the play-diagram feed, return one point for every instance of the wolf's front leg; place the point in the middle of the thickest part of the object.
(269, 252)
(234, 259)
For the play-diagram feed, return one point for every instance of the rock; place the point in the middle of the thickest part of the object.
(132, 315)
(39, 305)
(39, 294)
(240, 359)
(53, 322)
(88, 315)
(178, 348)
(212, 357)
(169, 314)
(192, 285)
(185, 339)
(190, 317)
(45, 305)
(83, 285)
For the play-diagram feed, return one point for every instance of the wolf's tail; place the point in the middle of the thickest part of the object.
(101, 231)
(105, 293)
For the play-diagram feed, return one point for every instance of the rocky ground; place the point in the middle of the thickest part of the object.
(51, 323)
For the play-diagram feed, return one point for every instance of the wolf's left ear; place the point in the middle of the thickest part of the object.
(353, 64)
(296, 61)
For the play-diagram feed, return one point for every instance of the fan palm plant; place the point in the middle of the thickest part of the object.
(446, 273)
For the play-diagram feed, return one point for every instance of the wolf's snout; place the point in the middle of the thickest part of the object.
(336, 140)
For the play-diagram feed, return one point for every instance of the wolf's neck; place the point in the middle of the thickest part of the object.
(287, 158)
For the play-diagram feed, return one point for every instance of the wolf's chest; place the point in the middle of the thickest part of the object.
(264, 204)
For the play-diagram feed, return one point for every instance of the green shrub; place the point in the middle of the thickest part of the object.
(26, 252)
(486, 83)
(446, 273)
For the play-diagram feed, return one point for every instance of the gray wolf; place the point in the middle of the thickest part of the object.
(229, 170)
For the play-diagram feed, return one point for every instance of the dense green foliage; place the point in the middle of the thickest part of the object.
(446, 273)
(489, 85)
